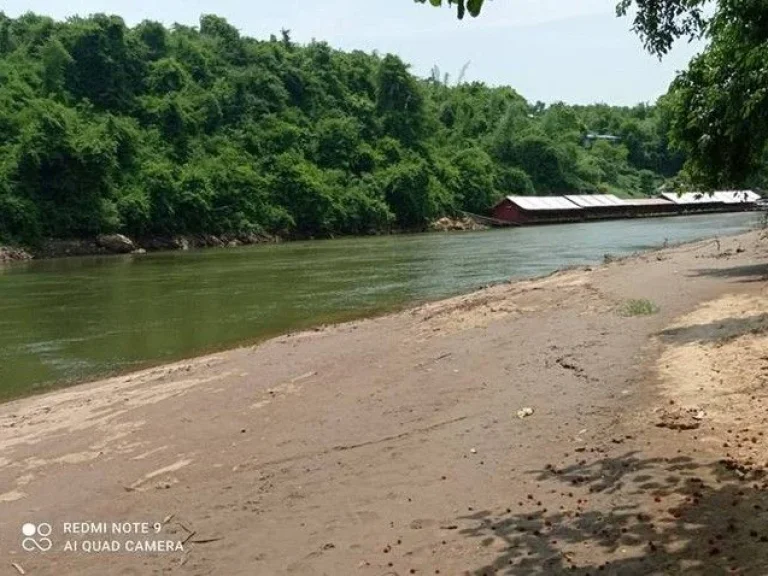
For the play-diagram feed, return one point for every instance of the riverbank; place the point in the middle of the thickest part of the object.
(120, 244)
(396, 445)
(11, 254)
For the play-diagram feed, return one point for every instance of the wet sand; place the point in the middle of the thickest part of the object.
(394, 445)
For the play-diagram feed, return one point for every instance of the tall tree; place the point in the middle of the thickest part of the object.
(400, 102)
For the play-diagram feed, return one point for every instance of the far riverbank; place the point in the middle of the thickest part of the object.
(107, 244)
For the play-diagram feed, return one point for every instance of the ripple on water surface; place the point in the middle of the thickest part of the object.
(77, 318)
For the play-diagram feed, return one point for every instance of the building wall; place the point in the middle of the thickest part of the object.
(510, 212)
(606, 212)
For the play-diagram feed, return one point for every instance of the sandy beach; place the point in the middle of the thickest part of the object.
(534, 427)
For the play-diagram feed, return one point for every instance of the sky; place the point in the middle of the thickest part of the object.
(576, 51)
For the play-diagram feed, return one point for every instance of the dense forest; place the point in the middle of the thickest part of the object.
(150, 131)
(719, 105)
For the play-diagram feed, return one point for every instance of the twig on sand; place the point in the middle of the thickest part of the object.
(433, 360)
(206, 540)
(19, 569)
(190, 533)
(188, 530)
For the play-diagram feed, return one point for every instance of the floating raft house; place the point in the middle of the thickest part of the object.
(523, 210)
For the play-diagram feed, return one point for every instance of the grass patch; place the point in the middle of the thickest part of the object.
(641, 307)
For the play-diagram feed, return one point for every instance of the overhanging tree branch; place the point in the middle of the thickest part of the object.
(462, 6)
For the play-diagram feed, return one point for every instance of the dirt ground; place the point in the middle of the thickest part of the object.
(534, 427)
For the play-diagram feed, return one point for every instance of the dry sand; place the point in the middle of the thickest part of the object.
(392, 446)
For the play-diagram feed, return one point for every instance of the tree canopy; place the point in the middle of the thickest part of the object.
(658, 22)
(200, 130)
(462, 6)
(718, 108)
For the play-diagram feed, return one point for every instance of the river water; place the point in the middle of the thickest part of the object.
(68, 320)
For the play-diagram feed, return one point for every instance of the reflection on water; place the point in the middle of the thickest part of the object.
(70, 319)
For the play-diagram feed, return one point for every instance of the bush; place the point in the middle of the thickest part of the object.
(641, 307)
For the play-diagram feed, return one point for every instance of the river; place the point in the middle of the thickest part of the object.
(68, 320)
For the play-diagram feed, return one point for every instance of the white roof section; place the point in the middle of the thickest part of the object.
(648, 202)
(543, 203)
(596, 200)
(722, 196)
(690, 198)
(736, 196)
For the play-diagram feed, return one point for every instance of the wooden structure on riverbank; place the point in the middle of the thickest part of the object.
(522, 210)
(488, 221)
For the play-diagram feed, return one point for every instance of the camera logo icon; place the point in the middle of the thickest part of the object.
(36, 537)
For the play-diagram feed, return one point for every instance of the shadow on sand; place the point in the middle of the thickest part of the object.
(749, 273)
(664, 516)
(718, 331)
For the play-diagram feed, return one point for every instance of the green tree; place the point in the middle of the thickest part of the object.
(154, 36)
(301, 189)
(399, 102)
(661, 22)
(541, 159)
(360, 208)
(408, 191)
(56, 63)
(167, 75)
(338, 140)
(475, 185)
(66, 166)
(513, 181)
(106, 67)
(19, 219)
(720, 104)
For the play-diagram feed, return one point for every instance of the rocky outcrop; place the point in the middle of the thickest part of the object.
(446, 224)
(116, 243)
(182, 243)
(62, 248)
(120, 244)
(159, 243)
(204, 241)
(9, 254)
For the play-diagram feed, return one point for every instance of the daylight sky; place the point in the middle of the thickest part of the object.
(576, 51)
